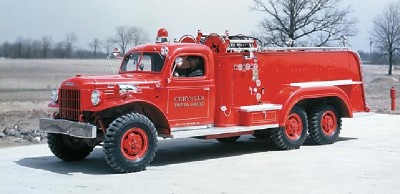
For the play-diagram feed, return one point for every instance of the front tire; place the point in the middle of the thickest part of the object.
(294, 133)
(68, 148)
(130, 143)
(325, 124)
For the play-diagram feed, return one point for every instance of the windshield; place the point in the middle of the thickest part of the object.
(143, 62)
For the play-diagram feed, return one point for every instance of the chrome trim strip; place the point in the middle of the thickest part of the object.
(325, 83)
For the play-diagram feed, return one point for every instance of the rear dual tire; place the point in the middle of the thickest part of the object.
(294, 133)
(325, 124)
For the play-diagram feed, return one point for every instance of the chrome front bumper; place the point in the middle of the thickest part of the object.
(72, 128)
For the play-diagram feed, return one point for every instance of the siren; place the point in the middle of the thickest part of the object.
(162, 36)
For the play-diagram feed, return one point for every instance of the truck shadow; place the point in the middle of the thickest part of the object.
(309, 142)
(169, 152)
(94, 164)
(191, 150)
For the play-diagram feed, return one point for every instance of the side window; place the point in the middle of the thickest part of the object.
(192, 66)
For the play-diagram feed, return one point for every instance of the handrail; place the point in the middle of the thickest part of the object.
(241, 41)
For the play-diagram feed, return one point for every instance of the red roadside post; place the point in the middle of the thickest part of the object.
(393, 98)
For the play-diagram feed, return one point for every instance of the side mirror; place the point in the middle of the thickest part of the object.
(178, 61)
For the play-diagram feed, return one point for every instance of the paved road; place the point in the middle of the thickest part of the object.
(366, 159)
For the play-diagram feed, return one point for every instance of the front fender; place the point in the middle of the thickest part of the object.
(152, 111)
(121, 102)
(291, 96)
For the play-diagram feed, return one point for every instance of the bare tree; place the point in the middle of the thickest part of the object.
(94, 45)
(30, 48)
(36, 48)
(46, 46)
(124, 37)
(6, 48)
(70, 40)
(59, 50)
(304, 21)
(127, 35)
(386, 31)
(108, 45)
(18, 47)
(140, 36)
(26, 48)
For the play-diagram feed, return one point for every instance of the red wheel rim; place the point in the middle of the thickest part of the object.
(134, 143)
(294, 126)
(329, 123)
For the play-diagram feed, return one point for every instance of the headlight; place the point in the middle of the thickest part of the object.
(95, 97)
(54, 95)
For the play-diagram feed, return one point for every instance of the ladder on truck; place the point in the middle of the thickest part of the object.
(225, 43)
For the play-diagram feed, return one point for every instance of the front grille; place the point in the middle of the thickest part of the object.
(69, 104)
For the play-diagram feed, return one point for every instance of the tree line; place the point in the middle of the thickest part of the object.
(46, 47)
(289, 23)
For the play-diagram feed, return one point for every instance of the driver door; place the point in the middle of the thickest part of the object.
(190, 99)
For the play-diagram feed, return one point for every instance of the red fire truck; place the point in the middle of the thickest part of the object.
(211, 86)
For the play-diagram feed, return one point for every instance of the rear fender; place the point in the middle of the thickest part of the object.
(291, 96)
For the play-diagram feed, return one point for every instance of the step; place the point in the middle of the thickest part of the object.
(260, 107)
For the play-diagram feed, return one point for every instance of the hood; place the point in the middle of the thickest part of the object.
(92, 82)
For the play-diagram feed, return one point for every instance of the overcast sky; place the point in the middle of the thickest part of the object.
(90, 19)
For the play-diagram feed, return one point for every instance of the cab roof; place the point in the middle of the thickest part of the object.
(172, 47)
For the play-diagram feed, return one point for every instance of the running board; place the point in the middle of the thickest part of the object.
(190, 132)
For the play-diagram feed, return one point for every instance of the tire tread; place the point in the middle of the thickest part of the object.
(315, 130)
(63, 152)
(279, 138)
(112, 147)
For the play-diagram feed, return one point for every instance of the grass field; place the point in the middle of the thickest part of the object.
(31, 80)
